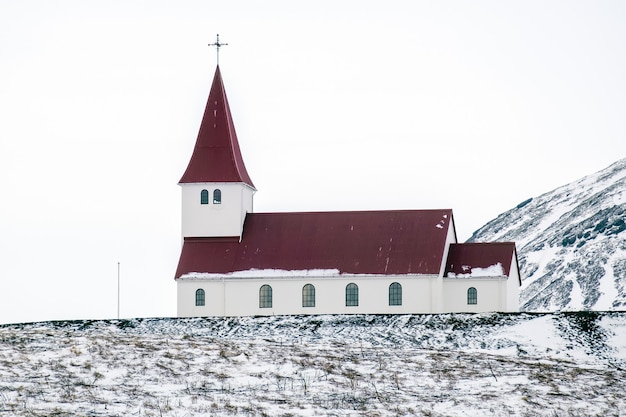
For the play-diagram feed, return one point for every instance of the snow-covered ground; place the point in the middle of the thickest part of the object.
(568, 364)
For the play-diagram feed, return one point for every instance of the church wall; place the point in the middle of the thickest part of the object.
(513, 286)
(436, 290)
(241, 296)
(224, 219)
(490, 294)
(186, 296)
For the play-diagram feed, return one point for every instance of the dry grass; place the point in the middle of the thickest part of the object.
(108, 369)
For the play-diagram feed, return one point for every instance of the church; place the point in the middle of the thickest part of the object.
(236, 262)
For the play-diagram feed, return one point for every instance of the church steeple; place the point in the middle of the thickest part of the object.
(216, 156)
(217, 191)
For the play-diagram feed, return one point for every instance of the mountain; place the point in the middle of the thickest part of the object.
(445, 365)
(571, 244)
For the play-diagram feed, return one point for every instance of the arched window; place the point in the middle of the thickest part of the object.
(217, 196)
(204, 197)
(308, 296)
(395, 294)
(265, 296)
(472, 296)
(352, 295)
(199, 297)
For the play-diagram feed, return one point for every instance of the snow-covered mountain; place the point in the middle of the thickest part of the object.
(571, 244)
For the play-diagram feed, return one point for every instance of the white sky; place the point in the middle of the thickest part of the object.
(469, 105)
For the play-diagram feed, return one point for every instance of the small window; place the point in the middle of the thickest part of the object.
(217, 196)
(472, 296)
(204, 197)
(395, 294)
(352, 295)
(199, 297)
(308, 296)
(265, 296)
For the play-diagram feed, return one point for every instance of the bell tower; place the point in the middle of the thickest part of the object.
(217, 191)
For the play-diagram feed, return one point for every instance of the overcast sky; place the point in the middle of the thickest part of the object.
(338, 105)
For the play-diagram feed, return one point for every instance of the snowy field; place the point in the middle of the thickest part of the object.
(569, 364)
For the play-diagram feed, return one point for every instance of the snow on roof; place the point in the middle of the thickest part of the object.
(480, 260)
(351, 242)
(491, 271)
(265, 273)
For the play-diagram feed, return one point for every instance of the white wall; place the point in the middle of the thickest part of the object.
(513, 286)
(242, 296)
(437, 293)
(491, 293)
(225, 219)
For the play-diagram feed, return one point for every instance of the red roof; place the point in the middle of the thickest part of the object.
(356, 242)
(216, 156)
(463, 257)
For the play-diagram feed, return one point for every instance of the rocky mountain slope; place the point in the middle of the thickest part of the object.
(453, 365)
(571, 244)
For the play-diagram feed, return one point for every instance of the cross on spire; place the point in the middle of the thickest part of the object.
(217, 45)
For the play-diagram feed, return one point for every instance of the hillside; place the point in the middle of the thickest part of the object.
(567, 364)
(571, 244)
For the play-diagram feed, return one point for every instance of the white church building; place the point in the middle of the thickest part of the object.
(235, 262)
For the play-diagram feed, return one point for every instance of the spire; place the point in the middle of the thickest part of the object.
(216, 156)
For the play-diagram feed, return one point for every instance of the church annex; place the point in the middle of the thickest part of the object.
(235, 262)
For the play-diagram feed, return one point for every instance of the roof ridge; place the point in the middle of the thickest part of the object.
(323, 212)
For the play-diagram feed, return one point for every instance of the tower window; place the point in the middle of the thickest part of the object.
(204, 197)
(308, 296)
(472, 296)
(352, 295)
(265, 296)
(217, 196)
(395, 294)
(199, 297)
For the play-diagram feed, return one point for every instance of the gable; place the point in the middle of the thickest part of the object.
(358, 242)
(480, 259)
